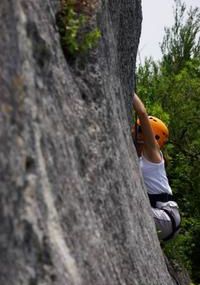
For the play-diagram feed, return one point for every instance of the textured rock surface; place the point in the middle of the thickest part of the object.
(73, 208)
(178, 273)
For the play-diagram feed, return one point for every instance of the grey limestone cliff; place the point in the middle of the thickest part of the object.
(73, 207)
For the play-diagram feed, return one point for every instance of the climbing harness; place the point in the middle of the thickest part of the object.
(165, 197)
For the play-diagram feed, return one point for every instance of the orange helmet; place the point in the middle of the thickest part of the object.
(160, 130)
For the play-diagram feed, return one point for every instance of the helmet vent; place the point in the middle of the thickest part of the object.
(153, 119)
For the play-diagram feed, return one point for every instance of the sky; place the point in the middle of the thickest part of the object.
(157, 14)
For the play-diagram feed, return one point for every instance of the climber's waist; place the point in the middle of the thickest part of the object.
(164, 197)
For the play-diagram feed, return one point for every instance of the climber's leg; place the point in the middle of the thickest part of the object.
(167, 219)
(163, 223)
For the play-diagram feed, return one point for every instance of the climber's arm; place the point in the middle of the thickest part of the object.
(151, 149)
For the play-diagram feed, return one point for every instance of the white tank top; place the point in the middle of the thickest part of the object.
(155, 177)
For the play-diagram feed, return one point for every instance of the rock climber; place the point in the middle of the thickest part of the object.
(150, 134)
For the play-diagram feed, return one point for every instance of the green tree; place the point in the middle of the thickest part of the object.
(181, 42)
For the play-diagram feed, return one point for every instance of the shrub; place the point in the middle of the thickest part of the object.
(73, 21)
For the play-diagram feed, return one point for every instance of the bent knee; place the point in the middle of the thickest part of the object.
(166, 225)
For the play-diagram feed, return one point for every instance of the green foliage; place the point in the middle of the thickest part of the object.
(148, 86)
(180, 248)
(171, 90)
(186, 246)
(181, 41)
(73, 28)
(90, 40)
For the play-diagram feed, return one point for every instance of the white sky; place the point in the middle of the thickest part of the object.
(157, 14)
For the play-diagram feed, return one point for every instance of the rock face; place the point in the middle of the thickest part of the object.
(73, 207)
